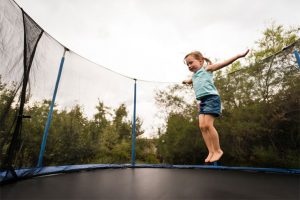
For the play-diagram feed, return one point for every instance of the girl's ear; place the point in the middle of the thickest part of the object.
(202, 61)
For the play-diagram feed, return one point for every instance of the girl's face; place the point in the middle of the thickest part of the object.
(193, 64)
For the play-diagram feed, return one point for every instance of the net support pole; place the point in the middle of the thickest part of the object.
(297, 58)
(133, 127)
(48, 122)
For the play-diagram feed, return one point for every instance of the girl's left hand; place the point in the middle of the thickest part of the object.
(245, 53)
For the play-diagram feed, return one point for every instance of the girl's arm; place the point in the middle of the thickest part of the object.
(220, 65)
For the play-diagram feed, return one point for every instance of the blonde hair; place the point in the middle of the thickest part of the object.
(198, 56)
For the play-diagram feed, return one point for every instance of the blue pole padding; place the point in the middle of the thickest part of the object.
(47, 126)
(297, 57)
(133, 127)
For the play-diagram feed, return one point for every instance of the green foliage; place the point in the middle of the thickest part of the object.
(73, 138)
(274, 39)
(146, 151)
(180, 144)
(260, 121)
(7, 114)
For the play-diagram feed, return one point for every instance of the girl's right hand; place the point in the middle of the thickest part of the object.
(187, 82)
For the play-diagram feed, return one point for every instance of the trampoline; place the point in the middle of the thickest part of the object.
(88, 104)
(204, 182)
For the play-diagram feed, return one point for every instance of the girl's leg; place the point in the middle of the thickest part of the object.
(214, 137)
(206, 137)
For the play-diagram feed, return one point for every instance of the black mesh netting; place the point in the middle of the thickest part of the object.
(92, 114)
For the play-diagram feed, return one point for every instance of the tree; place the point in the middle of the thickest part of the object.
(260, 116)
(121, 123)
(179, 143)
(7, 114)
(252, 97)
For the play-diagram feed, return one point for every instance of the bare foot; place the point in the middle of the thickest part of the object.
(216, 156)
(208, 157)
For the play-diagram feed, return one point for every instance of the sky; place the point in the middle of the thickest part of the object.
(148, 39)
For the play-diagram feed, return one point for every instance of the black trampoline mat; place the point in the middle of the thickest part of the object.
(156, 183)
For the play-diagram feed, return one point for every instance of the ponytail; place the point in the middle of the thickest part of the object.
(207, 60)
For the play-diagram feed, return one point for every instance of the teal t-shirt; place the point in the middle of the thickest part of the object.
(203, 83)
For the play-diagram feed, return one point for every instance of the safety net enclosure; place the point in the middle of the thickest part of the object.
(60, 112)
(57, 104)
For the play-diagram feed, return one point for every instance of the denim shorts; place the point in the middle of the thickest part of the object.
(210, 104)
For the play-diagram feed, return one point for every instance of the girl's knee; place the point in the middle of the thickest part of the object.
(203, 127)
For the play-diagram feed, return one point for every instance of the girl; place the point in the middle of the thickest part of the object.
(207, 94)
